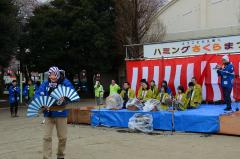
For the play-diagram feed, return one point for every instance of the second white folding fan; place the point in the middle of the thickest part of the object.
(62, 91)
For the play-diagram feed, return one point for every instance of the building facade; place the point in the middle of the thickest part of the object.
(195, 19)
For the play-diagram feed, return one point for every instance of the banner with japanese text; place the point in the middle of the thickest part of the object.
(230, 44)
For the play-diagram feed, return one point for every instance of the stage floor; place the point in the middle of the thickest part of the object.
(205, 119)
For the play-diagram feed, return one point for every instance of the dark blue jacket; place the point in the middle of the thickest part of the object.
(14, 93)
(227, 76)
(43, 90)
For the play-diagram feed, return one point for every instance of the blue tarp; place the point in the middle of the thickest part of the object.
(204, 119)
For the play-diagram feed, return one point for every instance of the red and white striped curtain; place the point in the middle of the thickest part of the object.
(178, 71)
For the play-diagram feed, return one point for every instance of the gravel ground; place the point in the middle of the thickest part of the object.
(21, 138)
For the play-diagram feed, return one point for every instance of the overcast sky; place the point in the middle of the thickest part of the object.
(42, 0)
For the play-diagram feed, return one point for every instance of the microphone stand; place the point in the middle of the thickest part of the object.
(99, 115)
(237, 82)
(173, 118)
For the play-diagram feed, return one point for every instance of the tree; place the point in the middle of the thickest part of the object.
(9, 32)
(134, 18)
(26, 8)
(71, 34)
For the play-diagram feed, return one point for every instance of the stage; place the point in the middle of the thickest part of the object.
(205, 119)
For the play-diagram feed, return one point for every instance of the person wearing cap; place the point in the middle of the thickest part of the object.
(226, 72)
(54, 118)
(154, 89)
(144, 92)
(14, 93)
(194, 96)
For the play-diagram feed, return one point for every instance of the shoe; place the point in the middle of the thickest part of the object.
(43, 122)
(227, 109)
(16, 116)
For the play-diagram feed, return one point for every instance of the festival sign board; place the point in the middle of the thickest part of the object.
(230, 44)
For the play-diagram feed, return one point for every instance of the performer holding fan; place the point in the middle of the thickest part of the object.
(226, 72)
(54, 118)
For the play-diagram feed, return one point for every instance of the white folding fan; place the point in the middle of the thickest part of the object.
(62, 91)
(37, 103)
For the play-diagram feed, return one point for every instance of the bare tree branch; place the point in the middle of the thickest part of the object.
(134, 18)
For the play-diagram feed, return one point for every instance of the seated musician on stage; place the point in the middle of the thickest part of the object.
(154, 89)
(164, 83)
(162, 97)
(144, 92)
(196, 85)
(127, 93)
(194, 96)
(54, 118)
(180, 99)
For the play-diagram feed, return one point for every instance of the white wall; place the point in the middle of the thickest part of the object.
(190, 19)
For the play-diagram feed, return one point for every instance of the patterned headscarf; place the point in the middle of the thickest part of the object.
(56, 72)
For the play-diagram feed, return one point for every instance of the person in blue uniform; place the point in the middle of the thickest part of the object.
(14, 94)
(226, 72)
(54, 118)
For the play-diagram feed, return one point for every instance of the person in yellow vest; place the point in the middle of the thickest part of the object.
(194, 96)
(180, 99)
(127, 93)
(114, 88)
(144, 92)
(163, 96)
(196, 85)
(99, 92)
(154, 89)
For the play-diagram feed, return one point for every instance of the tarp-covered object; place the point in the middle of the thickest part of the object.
(141, 122)
(114, 101)
(151, 105)
(134, 103)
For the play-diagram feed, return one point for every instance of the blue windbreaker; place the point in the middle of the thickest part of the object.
(14, 93)
(227, 76)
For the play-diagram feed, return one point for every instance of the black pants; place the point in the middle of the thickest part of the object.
(14, 108)
(227, 96)
(124, 104)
